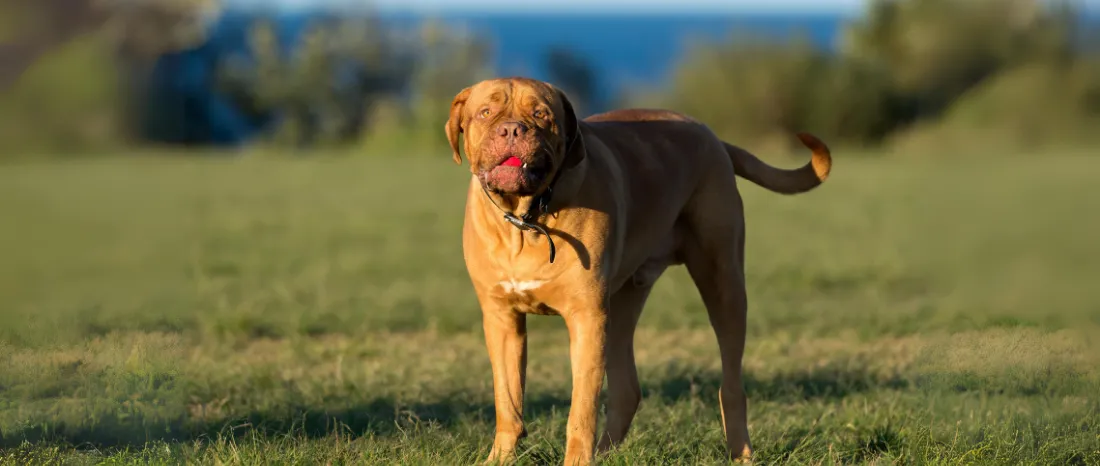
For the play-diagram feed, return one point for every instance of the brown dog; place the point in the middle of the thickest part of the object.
(579, 219)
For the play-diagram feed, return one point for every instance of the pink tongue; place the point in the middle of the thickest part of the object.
(512, 162)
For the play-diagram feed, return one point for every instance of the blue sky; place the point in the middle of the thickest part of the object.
(572, 5)
(509, 6)
(627, 5)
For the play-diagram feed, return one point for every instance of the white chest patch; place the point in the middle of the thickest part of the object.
(519, 286)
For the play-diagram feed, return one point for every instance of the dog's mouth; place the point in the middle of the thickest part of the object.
(515, 174)
(513, 161)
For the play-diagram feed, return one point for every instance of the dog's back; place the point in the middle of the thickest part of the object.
(679, 136)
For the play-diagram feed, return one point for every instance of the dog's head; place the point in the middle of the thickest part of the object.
(517, 133)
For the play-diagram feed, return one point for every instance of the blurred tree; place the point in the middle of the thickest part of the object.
(379, 67)
(904, 65)
(46, 110)
(754, 90)
(293, 82)
(572, 73)
(341, 72)
(33, 27)
(938, 49)
(447, 61)
(142, 29)
(325, 86)
(108, 44)
(36, 26)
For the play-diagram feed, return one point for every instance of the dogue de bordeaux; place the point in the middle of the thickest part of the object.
(579, 218)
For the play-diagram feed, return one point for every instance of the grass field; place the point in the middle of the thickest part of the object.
(274, 311)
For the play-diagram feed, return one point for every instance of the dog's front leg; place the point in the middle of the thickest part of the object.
(506, 339)
(586, 353)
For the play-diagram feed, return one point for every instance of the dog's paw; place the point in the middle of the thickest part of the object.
(605, 446)
(745, 457)
(500, 457)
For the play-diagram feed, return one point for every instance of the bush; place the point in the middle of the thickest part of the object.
(937, 50)
(755, 91)
(447, 60)
(991, 66)
(1027, 107)
(47, 110)
(571, 72)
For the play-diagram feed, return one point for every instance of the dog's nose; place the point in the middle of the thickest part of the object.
(511, 130)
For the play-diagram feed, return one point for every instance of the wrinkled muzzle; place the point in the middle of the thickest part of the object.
(514, 159)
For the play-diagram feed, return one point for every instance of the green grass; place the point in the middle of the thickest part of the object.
(273, 311)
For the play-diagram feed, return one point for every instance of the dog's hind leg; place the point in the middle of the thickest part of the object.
(714, 255)
(623, 391)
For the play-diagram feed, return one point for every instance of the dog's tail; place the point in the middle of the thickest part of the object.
(783, 181)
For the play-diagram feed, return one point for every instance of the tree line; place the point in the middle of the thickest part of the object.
(928, 74)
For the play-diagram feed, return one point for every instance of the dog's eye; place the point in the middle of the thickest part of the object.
(484, 113)
(539, 114)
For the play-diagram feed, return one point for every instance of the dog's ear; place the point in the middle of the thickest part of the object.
(571, 131)
(453, 128)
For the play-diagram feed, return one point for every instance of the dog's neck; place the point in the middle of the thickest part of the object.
(535, 212)
(535, 207)
(527, 208)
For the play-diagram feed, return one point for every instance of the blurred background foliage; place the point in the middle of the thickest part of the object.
(910, 70)
(78, 76)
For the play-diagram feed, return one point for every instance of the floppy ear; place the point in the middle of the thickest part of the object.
(571, 131)
(453, 128)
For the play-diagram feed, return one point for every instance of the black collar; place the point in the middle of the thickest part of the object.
(539, 205)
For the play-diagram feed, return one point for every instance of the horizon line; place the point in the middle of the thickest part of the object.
(437, 7)
(844, 9)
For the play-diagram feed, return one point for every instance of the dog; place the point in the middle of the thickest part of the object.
(579, 218)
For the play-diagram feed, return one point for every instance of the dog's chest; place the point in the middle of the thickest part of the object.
(524, 294)
(514, 286)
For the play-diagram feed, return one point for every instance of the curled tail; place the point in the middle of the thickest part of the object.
(784, 181)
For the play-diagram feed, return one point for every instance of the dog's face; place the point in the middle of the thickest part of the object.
(517, 133)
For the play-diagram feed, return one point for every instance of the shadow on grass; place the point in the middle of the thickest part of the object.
(829, 384)
(387, 416)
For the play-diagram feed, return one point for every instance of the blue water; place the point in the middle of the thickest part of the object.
(623, 50)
